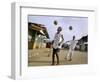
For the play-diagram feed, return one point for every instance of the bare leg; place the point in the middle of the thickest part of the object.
(53, 58)
(69, 56)
(57, 56)
(66, 54)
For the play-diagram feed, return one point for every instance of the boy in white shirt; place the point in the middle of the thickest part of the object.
(71, 49)
(57, 43)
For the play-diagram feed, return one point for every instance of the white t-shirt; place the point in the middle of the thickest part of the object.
(57, 40)
(73, 44)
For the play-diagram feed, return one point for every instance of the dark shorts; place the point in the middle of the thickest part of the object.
(56, 50)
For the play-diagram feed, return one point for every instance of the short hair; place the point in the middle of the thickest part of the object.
(74, 37)
(60, 28)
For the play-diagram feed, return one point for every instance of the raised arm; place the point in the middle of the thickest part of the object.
(62, 39)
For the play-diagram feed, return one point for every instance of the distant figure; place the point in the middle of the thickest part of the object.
(56, 44)
(71, 49)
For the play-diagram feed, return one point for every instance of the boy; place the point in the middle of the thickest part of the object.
(71, 49)
(57, 43)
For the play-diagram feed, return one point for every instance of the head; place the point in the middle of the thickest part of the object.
(59, 29)
(73, 37)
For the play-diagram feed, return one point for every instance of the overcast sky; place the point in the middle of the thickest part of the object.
(79, 24)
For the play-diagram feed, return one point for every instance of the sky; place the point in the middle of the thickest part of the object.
(79, 24)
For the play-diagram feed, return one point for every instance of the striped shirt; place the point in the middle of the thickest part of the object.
(57, 40)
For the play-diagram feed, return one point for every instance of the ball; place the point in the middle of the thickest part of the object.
(70, 28)
(55, 22)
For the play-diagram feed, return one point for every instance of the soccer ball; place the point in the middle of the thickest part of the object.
(70, 28)
(55, 22)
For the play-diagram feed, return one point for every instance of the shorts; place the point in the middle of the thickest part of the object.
(56, 50)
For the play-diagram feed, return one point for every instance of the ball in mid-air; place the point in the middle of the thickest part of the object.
(55, 22)
(70, 28)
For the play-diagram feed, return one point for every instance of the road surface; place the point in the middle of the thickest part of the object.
(39, 57)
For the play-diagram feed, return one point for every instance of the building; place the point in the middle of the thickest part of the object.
(36, 35)
(83, 43)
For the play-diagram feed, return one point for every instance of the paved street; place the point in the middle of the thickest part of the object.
(43, 57)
